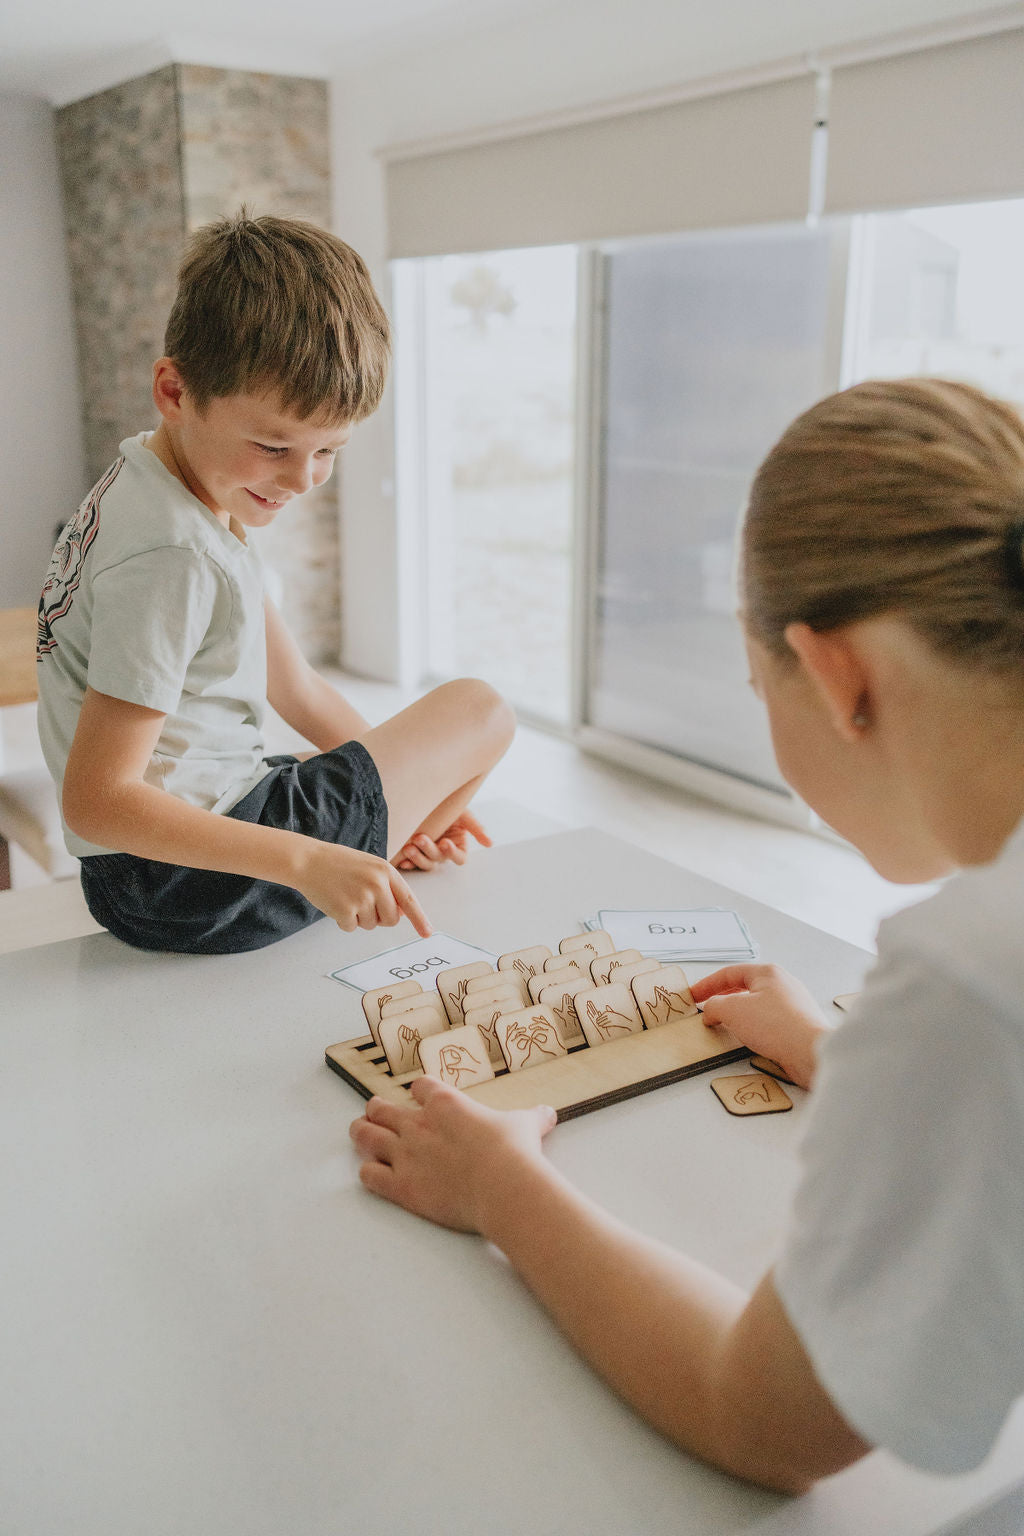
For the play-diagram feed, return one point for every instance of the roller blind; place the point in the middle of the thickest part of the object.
(742, 157)
(944, 124)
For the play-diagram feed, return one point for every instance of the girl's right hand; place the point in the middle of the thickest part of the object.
(357, 889)
(768, 1011)
(445, 1157)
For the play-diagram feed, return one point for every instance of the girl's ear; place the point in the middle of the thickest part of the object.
(838, 670)
(168, 389)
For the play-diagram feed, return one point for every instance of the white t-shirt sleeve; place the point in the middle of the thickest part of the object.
(903, 1270)
(151, 615)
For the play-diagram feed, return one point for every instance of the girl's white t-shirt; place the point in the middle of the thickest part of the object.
(903, 1268)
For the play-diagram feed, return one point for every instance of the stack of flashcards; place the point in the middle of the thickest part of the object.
(711, 934)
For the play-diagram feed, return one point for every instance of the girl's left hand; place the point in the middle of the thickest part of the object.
(423, 852)
(443, 1156)
(768, 1011)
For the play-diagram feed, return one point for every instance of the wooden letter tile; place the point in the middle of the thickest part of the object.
(401, 1034)
(559, 963)
(663, 994)
(558, 996)
(525, 962)
(765, 1064)
(459, 1057)
(486, 1018)
(602, 968)
(421, 1000)
(607, 1013)
(748, 1095)
(625, 973)
(494, 1002)
(589, 944)
(529, 1038)
(452, 986)
(570, 972)
(374, 1001)
(489, 986)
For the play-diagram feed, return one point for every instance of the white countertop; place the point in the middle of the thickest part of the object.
(209, 1327)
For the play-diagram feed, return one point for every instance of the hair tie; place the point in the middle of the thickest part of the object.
(1013, 553)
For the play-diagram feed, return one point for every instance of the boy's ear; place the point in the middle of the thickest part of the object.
(837, 669)
(168, 389)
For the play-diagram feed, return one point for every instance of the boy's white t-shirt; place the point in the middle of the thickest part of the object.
(150, 599)
(903, 1269)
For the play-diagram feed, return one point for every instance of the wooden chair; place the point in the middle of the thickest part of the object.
(29, 819)
(54, 909)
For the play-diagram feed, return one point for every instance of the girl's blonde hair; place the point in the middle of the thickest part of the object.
(894, 497)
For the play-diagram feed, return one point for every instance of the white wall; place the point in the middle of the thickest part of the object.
(565, 56)
(41, 464)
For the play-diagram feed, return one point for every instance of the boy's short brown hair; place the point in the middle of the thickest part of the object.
(278, 305)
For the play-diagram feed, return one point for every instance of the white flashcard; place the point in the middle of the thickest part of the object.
(695, 933)
(419, 961)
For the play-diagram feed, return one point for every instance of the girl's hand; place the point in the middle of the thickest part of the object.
(357, 889)
(422, 852)
(768, 1011)
(443, 1156)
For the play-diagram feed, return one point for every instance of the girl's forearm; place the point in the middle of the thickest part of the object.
(650, 1321)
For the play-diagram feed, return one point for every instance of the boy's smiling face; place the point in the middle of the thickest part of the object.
(245, 456)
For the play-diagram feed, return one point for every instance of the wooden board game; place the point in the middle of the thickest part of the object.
(610, 1027)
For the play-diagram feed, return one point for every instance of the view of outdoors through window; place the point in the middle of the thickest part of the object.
(713, 341)
(938, 291)
(499, 388)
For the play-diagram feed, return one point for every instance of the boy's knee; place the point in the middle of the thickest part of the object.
(484, 708)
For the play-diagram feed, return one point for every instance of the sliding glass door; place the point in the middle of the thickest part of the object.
(707, 346)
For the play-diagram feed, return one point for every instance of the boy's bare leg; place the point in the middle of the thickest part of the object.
(433, 756)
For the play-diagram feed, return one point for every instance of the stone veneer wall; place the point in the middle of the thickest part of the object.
(143, 165)
(125, 211)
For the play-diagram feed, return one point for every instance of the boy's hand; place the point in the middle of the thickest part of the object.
(422, 852)
(443, 1156)
(768, 1011)
(357, 889)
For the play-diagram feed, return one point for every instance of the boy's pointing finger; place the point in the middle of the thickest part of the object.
(409, 905)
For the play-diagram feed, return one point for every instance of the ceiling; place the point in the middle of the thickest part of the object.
(65, 49)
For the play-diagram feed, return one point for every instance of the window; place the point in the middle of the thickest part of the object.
(712, 344)
(938, 291)
(701, 349)
(493, 406)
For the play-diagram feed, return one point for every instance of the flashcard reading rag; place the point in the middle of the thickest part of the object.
(419, 961)
(701, 933)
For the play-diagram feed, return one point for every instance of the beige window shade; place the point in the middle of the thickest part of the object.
(940, 125)
(738, 158)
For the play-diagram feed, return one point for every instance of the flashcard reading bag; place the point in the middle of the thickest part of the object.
(419, 961)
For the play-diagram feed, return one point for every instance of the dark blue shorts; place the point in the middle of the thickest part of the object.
(335, 796)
